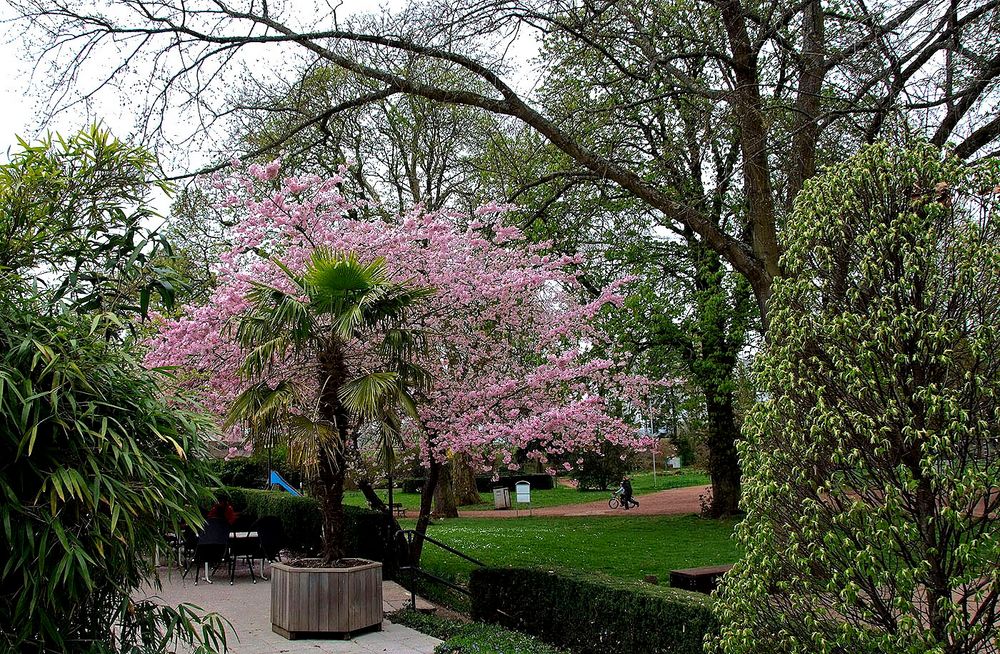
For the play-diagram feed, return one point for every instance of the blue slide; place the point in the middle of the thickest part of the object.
(278, 480)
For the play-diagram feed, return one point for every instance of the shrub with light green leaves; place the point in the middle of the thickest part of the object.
(872, 460)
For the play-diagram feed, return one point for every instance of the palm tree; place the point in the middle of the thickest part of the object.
(337, 313)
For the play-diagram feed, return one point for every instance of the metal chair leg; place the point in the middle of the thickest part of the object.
(207, 578)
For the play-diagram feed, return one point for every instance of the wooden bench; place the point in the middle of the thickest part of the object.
(398, 510)
(700, 580)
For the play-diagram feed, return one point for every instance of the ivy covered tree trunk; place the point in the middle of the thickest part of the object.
(724, 462)
(463, 481)
(712, 363)
(444, 494)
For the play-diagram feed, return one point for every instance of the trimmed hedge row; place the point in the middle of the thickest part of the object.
(486, 484)
(593, 615)
(367, 531)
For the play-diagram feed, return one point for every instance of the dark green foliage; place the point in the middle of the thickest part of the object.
(96, 468)
(604, 469)
(427, 623)
(252, 471)
(685, 449)
(366, 531)
(468, 638)
(412, 485)
(485, 484)
(589, 614)
(73, 216)
(539, 481)
(478, 638)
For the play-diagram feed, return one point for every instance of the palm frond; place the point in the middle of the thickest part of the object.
(306, 437)
(347, 323)
(409, 404)
(390, 439)
(400, 343)
(390, 306)
(262, 409)
(368, 395)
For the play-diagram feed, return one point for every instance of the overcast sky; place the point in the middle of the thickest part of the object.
(20, 87)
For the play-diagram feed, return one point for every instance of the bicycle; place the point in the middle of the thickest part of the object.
(616, 500)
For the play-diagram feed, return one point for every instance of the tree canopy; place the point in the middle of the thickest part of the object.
(782, 83)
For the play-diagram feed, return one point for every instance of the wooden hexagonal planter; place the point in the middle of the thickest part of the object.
(326, 602)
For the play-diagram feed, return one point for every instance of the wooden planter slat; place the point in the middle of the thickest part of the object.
(325, 601)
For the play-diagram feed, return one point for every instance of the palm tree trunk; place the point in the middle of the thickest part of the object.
(331, 500)
(332, 462)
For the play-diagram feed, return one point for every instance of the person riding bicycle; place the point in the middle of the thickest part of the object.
(626, 493)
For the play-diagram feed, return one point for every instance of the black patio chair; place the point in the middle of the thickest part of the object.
(212, 548)
(271, 539)
(186, 544)
(242, 548)
(243, 522)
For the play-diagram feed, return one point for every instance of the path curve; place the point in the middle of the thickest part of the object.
(674, 501)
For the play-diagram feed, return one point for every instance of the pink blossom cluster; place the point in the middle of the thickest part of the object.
(510, 349)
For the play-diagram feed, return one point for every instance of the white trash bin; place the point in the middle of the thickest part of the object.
(501, 498)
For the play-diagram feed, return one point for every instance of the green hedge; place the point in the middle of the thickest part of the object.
(367, 531)
(593, 615)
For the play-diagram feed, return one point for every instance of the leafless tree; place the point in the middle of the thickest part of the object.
(784, 73)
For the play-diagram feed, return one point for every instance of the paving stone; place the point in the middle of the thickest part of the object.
(248, 607)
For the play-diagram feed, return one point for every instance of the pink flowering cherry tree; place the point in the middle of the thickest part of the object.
(509, 353)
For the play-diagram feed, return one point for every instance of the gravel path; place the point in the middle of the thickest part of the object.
(675, 501)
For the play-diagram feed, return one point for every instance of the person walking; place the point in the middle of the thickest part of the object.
(627, 501)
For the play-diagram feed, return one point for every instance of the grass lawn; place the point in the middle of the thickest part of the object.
(642, 484)
(625, 547)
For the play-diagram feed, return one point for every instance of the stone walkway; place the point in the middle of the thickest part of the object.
(248, 607)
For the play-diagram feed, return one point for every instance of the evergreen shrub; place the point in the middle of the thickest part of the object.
(367, 531)
(592, 614)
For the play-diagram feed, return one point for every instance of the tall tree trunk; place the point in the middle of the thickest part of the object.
(713, 364)
(332, 461)
(424, 517)
(444, 494)
(723, 460)
(331, 502)
(463, 481)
